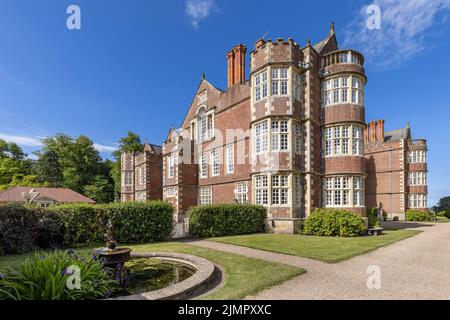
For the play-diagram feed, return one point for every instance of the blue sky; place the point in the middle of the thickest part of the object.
(136, 64)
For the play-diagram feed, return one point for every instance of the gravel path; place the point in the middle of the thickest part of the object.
(415, 268)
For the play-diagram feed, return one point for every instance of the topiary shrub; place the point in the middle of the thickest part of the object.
(18, 229)
(413, 215)
(46, 277)
(226, 220)
(334, 223)
(141, 222)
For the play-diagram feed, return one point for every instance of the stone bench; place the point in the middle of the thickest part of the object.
(376, 231)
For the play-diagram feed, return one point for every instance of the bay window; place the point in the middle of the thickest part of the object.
(418, 201)
(280, 82)
(280, 190)
(418, 178)
(417, 156)
(344, 140)
(344, 191)
(261, 86)
(338, 90)
(262, 190)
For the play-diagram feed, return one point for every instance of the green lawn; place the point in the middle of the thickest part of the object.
(243, 276)
(326, 249)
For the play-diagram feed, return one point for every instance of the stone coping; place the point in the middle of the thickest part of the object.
(182, 290)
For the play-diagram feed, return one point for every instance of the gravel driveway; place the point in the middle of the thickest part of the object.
(415, 268)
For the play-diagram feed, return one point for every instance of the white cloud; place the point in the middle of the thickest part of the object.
(27, 141)
(404, 33)
(22, 140)
(197, 10)
(103, 148)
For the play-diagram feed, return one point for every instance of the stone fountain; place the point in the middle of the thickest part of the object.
(112, 257)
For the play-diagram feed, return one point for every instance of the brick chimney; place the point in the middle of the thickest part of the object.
(380, 130)
(374, 132)
(236, 65)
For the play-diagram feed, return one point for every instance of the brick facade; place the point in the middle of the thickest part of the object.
(293, 137)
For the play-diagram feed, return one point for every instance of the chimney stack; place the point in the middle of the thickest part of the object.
(236, 65)
(374, 132)
(380, 131)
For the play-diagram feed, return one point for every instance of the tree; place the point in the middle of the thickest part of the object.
(101, 189)
(13, 163)
(130, 143)
(443, 204)
(77, 158)
(48, 168)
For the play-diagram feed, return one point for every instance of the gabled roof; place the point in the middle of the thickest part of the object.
(60, 195)
(399, 134)
(152, 148)
(328, 44)
(203, 85)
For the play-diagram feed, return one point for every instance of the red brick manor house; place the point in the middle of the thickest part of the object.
(292, 137)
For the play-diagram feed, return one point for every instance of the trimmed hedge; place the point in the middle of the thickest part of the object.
(23, 229)
(226, 220)
(18, 229)
(134, 223)
(412, 215)
(334, 223)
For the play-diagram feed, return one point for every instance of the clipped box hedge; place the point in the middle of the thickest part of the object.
(334, 223)
(226, 220)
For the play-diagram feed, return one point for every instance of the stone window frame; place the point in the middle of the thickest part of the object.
(417, 178)
(333, 89)
(264, 190)
(354, 140)
(204, 196)
(141, 196)
(215, 162)
(142, 175)
(128, 178)
(263, 136)
(418, 201)
(229, 156)
(205, 124)
(417, 156)
(279, 81)
(170, 192)
(297, 185)
(261, 85)
(171, 165)
(336, 188)
(203, 166)
(241, 192)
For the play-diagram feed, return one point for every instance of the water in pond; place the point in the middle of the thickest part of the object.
(145, 274)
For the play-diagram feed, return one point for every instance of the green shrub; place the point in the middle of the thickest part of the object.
(330, 222)
(45, 277)
(141, 222)
(18, 229)
(372, 215)
(226, 220)
(81, 224)
(412, 215)
(441, 213)
(447, 214)
(84, 224)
